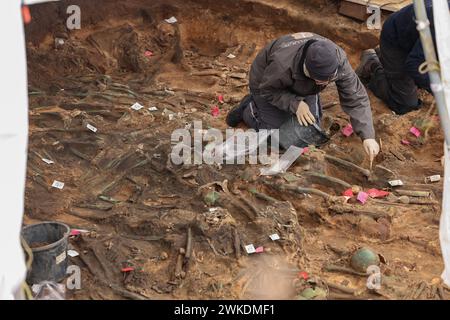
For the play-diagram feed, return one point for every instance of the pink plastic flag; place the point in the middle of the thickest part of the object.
(375, 193)
(303, 150)
(348, 193)
(415, 131)
(362, 197)
(74, 232)
(348, 130)
(304, 275)
(259, 250)
(148, 53)
(405, 142)
(215, 111)
(220, 98)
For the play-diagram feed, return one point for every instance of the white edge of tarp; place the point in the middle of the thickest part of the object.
(13, 143)
(30, 2)
(442, 26)
(444, 227)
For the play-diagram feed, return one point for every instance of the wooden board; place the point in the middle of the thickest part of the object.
(358, 8)
(389, 5)
(352, 10)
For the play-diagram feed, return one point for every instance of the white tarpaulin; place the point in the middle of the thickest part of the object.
(13, 146)
(29, 2)
(442, 26)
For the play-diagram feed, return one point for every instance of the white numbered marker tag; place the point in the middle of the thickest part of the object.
(137, 106)
(58, 184)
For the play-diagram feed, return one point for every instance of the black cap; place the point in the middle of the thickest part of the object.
(321, 60)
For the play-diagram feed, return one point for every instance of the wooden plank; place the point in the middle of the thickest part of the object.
(389, 5)
(353, 10)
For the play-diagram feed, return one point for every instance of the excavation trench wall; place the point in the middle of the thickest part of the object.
(227, 21)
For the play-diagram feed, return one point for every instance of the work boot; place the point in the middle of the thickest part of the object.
(236, 115)
(369, 57)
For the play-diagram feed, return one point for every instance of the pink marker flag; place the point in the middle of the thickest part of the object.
(215, 111)
(304, 275)
(304, 150)
(348, 130)
(415, 131)
(74, 232)
(362, 197)
(259, 250)
(375, 193)
(348, 193)
(405, 142)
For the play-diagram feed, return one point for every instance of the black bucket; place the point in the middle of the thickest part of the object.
(48, 242)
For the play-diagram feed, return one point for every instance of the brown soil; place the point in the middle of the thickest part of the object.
(140, 209)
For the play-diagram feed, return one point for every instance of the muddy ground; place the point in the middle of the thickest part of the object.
(143, 212)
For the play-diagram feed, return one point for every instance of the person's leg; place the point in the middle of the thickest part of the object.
(390, 83)
(251, 118)
(291, 132)
(264, 114)
(236, 115)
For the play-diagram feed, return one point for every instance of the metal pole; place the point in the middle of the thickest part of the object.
(423, 26)
(440, 96)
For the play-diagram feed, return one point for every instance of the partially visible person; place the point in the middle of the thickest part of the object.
(393, 73)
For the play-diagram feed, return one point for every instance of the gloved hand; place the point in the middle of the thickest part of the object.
(371, 147)
(304, 116)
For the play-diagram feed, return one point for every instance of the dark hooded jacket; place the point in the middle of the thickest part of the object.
(278, 76)
(400, 31)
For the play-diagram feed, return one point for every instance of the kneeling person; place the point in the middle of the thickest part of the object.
(393, 73)
(286, 78)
